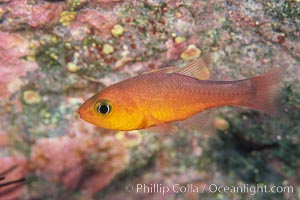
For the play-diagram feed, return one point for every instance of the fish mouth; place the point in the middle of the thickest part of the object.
(86, 114)
(83, 115)
(85, 109)
(80, 112)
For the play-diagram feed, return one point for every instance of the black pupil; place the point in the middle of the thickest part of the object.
(103, 109)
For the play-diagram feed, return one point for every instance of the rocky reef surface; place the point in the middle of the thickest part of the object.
(56, 54)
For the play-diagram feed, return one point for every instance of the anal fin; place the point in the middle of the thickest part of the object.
(203, 121)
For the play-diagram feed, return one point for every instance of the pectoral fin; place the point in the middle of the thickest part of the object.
(161, 127)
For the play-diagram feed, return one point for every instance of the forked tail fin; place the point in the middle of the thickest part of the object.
(265, 90)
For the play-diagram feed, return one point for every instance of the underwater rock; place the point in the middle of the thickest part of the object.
(192, 52)
(67, 17)
(179, 39)
(174, 49)
(72, 67)
(20, 13)
(83, 163)
(117, 30)
(130, 139)
(107, 49)
(99, 22)
(221, 124)
(3, 139)
(12, 168)
(31, 97)
(247, 38)
(13, 47)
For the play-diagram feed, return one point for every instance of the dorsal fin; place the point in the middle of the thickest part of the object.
(166, 70)
(197, 69)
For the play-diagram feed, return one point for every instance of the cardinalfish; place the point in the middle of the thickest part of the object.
(174, 94)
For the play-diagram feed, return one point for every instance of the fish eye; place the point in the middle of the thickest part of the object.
(103, 108)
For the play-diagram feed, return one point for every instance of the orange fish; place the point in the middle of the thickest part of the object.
(176, 94)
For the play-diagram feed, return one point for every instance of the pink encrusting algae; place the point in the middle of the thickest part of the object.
(56, 54)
